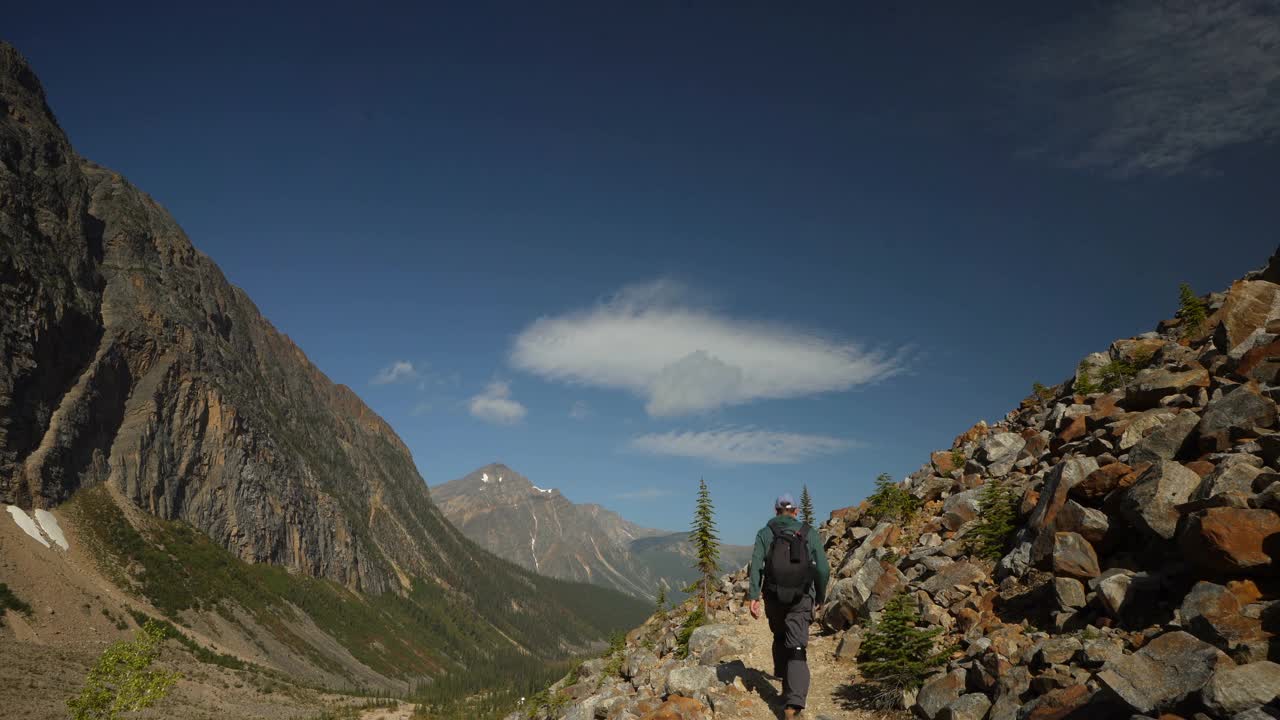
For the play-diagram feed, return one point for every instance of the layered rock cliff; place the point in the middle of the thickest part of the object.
(129, 362)
(1138, 574)
(540, 529)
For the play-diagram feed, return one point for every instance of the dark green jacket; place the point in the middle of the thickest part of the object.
(764, 539)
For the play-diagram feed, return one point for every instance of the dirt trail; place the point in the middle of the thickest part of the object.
(832, 679)
(403, 711)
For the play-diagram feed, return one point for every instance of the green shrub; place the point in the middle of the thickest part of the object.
(695, 620)
(891, 502)
(1192, 311)
(617, 644)
(896, 654)
(1084, 385)
(1042, 393)
(121, 682)
(958, 459)
(997, 508)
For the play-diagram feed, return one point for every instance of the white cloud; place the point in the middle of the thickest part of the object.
(682, 359)
(398, 371)
(647, 493)
(496, 406)
(580, 411)
(1153, 87)
(733, 446)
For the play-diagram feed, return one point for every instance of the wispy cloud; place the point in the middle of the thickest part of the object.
(648, 493)
(496, 405)
(653, 341)
(734, 446)
(580, 411)
(398, 371)
(1150, 87)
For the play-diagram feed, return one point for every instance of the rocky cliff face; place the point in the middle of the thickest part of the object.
(1140, 577)
(539, 529)
(129, 361)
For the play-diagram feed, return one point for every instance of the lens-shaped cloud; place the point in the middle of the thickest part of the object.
(733, 446)
(683, 359)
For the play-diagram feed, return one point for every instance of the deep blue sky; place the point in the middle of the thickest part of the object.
(983, 197)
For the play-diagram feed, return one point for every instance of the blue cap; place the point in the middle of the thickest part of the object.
(784, 502)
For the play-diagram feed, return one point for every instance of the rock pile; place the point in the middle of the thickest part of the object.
(1143, 575)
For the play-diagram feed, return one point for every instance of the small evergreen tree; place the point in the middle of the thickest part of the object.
(706, 545)
(891, 502)
(896, 653)
(806, 506)
(120, 682)
(1084, 385)
(1192, 311)
(998, 509)
(661, 600)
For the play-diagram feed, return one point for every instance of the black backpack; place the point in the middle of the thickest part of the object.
(788, 570)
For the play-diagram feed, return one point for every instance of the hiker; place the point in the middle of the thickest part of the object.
(790, 567)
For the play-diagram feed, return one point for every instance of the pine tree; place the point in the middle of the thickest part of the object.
(706, 545)
(897, 654)
(1191, 310)
(806, 506)
(661, 600)
(998, 510)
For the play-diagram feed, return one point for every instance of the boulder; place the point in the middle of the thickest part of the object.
(850, 643)
(953, 575)
(1234, 690)
(1164, 672)
(1132, 428)
(938, 692)
(1262, 363)
(1166, 441)
(867, 591)
(1152, 385)
(1058, 482)
(1069, 593)
(1232, 540)
(1114, 588)
(1249, 306)
(1055, 651)
(712, 643)
(1090, 524)
(678, 707)
(960, 508)
(637, 662)
(1234, 477)
(1216, 615)
(1099, 483)
(1100, 651)
(944, 461)
(1073, 556)
(973, 706)
(999, 451)
(692, 682)
(1232, 416)
(1057, 704)
(1151, 504)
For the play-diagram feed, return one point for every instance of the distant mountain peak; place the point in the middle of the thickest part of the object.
(543, 530)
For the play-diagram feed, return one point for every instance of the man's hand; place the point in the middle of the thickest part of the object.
(755, 609)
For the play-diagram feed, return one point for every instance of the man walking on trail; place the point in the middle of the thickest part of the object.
(789, 568)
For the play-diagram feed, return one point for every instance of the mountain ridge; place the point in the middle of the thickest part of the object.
(498, 508)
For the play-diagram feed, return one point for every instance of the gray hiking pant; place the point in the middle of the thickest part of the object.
(790, 626)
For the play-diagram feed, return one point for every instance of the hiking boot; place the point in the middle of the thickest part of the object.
(792, 713)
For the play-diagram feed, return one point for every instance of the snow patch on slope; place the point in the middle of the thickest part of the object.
(50, 525)
(543, 490)
(28, 525)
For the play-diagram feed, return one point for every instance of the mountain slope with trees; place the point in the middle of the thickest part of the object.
(215, 473)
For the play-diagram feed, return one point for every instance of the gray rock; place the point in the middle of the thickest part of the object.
(1233, 415)
(999, 451)
(1073, 556)
(1100, 651)
(1089, 523)
(1166, 441)
(1235, 477)
(1151, 504)
(1055, 651)
(711, 643)
(692, 682)
(961, 508)
(1164, 672)
(1069, 592)
(973, 706)
(1236, 689)
(1138, 427)
(637, 662)
(850, 643)
(937, 693)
